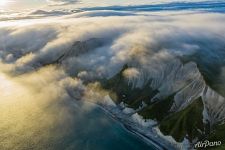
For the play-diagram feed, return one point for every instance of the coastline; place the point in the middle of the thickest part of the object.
(145, 138)
(161, 145)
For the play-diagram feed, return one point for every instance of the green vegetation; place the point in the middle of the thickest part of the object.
(218, 134)
(187, 122)
(158, 110)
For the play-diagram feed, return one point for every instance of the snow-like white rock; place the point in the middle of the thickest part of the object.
(214, 106)
(122, 105)
(128, 110)
(143, 122)
(186, 96)
(184, 145)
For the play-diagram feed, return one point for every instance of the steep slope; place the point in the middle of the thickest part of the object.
(218, 135)
(177, 97)
(185, 123)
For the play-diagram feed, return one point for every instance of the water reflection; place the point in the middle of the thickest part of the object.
(31, 120)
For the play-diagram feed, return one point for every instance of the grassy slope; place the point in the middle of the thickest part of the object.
(158, 110)
(218, 134)
(185, 122)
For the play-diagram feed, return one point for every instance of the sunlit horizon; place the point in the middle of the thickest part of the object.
(23, 5)
(15, 5)
(4, 3)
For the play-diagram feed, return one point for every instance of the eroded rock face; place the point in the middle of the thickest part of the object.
(214, 105)
(186, 83)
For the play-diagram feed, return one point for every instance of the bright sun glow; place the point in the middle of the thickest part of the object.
(6, 3)
(3, 2)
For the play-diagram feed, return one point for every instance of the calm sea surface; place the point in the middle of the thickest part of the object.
(33, 122)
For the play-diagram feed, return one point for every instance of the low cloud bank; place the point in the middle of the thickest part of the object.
(144, 41)
(60, 2)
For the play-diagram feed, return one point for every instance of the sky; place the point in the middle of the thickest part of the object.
(15, 5)
(31, 4)
(20, 4)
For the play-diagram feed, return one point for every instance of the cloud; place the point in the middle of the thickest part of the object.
(60, 2)
(87, 46)
(131, 73)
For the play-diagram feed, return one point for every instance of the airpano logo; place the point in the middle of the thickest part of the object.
(206, 143)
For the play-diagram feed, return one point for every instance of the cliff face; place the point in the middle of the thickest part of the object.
(175, 95)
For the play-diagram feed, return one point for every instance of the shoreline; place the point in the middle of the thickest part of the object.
(148, 140)
(145, 138)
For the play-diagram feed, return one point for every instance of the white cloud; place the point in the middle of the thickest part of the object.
(142, 41)
(131, 73)
(62, 1)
